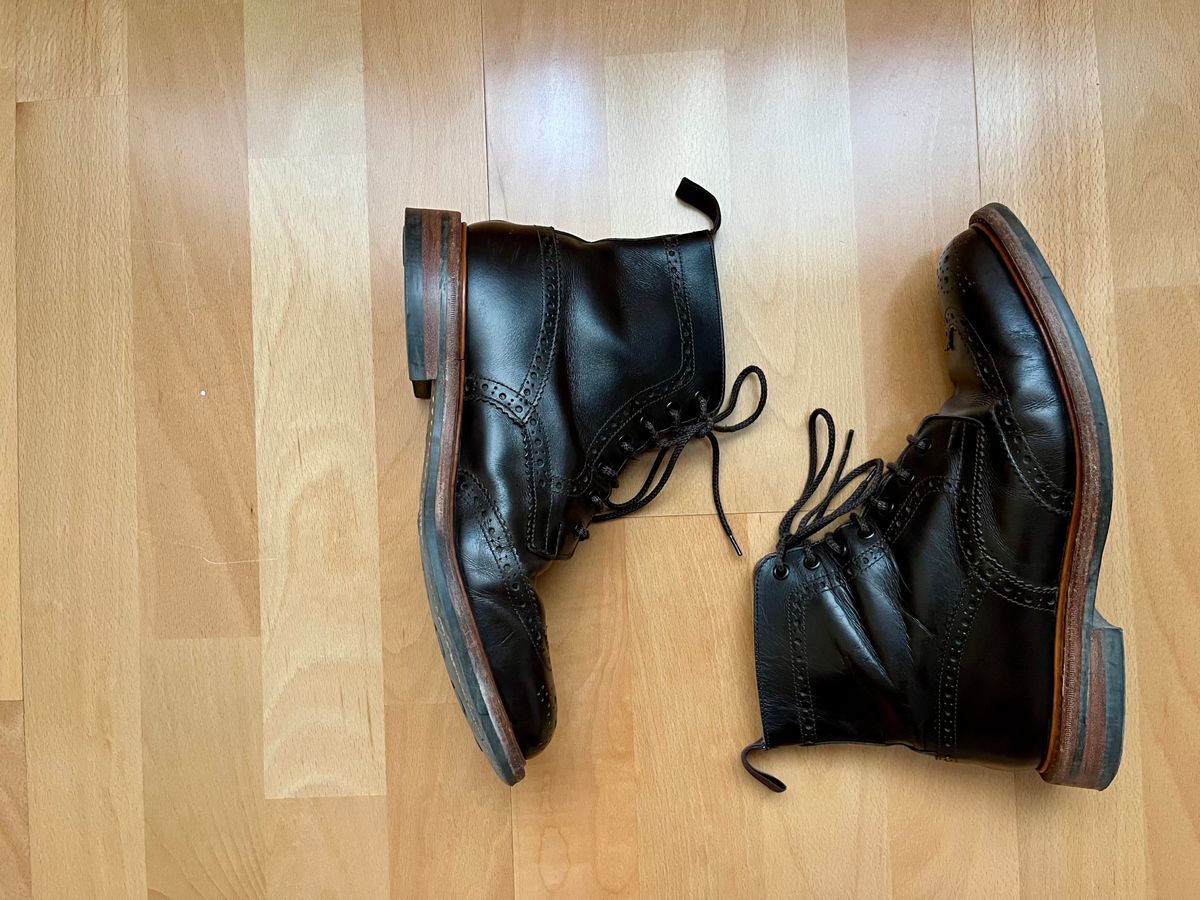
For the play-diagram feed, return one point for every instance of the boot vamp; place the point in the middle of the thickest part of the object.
(498, 572)
(1003, 369)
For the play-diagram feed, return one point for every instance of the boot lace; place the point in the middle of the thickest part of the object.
(671, 443)
(796, 530)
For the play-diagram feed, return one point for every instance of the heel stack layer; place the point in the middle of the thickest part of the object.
(1093, 759)
(432, 273)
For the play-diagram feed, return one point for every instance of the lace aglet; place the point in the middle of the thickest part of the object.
(732, 540)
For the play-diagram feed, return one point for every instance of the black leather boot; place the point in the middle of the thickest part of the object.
(551, 362)
(954, 612)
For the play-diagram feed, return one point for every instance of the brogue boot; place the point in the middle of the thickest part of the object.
(550, 363)
(953, 611)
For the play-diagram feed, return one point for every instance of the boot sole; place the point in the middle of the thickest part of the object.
(1088, 723)
(435, 322)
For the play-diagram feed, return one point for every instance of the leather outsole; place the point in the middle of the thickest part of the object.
(435, 322)
(1087, 727)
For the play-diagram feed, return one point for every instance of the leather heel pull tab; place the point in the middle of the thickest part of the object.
(769, 781)
(699, 198)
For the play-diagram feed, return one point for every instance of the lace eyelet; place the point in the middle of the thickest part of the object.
(867, 534)
(625, 446)
(923, 445)
(700, 398)
(649, 426)
(595, 500)
(812, 563)
(883, 506)
(780, 571)
(672, 407)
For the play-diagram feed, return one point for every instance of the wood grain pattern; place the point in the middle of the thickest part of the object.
(1149, 80)
(911, 89)
(465, 848)
(218, 676)
(790, 283)
(70, 49)
(686, 751)
(1158, 328)
(547, 126)
(575, 827)
(10, 556)
(202, 752)
(318, 532)
(327, 847)
(304, 77)
(14, 803)
(79, 584)
(193, 356)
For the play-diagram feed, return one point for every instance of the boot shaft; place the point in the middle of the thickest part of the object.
(590, 349)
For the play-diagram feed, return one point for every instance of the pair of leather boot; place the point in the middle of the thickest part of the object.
(945, 600)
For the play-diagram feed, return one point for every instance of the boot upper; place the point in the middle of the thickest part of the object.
(579, 355)
(930, 621)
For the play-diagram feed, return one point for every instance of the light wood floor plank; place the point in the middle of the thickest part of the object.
(425, 148)
(70, 49)
(79, 581)
(319, 537)
(304, 77)
(14, 805)
(1159, 329)
(8, 39)
(912, 90)
(323, 847)
(574, 817)
(202, 750)
(1149, 65)
(787, 256)
(546, 131)
(192, 332)
(1041, 152)
(10, 558)
(465, 849)
(693, 707)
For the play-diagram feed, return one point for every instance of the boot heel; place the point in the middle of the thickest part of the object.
(432, 276)
(1101, 727)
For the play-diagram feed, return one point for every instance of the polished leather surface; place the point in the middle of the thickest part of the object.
(937, 630)
(571, 346)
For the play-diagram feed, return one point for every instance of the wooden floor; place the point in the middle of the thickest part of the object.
(217, 671)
